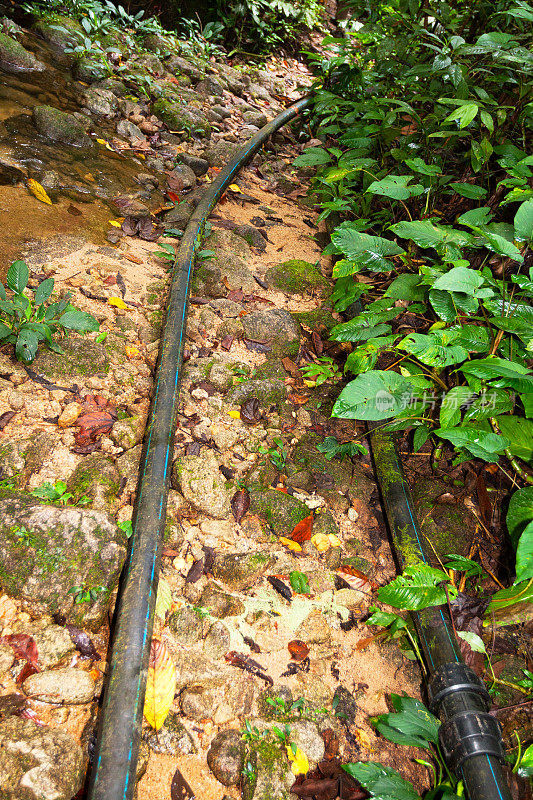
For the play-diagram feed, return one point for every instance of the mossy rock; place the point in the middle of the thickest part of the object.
(241, 570)
(328, 475)
(449, 528)
(267, 392)
(317, 319)
(180, 117)
(15, 58)
(59, 126)
(272, 368)
(60, 39)
(89, 70)
(296, 277)
(80, 358)
(282, 511)
(97, 478)
(46, 551)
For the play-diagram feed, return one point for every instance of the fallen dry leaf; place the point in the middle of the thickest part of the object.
(160, 686)
(303, 531)
(298, 650)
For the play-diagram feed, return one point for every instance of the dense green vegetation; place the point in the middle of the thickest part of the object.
(425, 175)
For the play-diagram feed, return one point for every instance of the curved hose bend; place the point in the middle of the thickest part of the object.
(115, 764)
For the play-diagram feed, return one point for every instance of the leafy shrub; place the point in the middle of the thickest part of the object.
(26, 321)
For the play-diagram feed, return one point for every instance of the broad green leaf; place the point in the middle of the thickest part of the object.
(44, 290)
(520, 434)
(27, 344)
(4, 331)
(406, 287)
(312, 157)
(375, 395)
(464, 114)
(489, 403)
(426, 233)
(418, 587)
(523, 221)
(519, 595)
(459, 279)
(298, 581)
(525, 768)
(420, 437)
(434, 349)
(473, 640)
(17, 276)
(365, 251)
(480, 443)
(411, 721)
(520, 513)
(79, 321)
(383, 783)
(498, 244)
(396, 187)
(450, 409)
(469, 190)
(524, 555)
(476, 217)
(419, 165)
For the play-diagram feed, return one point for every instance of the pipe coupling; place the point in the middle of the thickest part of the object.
(453, 677)
(468, 734)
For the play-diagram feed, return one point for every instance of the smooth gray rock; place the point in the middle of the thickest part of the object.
(241, 570)
(257, 118)
(219, 603)
(198, 165)
(276, 327)
(100, 101)
(70, 686)
(185, 177)
(172, 738)
(202, 484)
(128, 130)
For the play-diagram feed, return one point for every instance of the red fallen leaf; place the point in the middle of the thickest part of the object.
(25, 672)
(83, 643)
(240, 503)
(6, 417)
(92, 426)
(24, 647)
(236, 295)
(298, 650)
(250, 411)
(226, 342)
(291, 367)
(356, 579)
(179, 788)
(110, 280)
(362, 644)
(173, 196)
(303, 531)
(74, 211)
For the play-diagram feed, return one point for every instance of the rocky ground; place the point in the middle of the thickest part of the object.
(262, 632)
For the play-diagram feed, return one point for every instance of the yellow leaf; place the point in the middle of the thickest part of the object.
(290, 544)
(106, 144)
(160, 686)
(321, 542)
(310, 384)
(300, 762)
(132, 352)
(115, 223)
(118, 302)
(141, 155)
(38, 191)
(235, 188)
(334, 540)
(234, 414)
(363, 738)
(163, 600)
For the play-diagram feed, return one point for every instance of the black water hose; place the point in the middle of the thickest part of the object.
(117, 748)
(469, 737)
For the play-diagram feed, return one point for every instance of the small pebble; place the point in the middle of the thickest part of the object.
(69, 415)
(353, 516)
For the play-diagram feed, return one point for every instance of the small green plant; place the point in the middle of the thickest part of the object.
(57, 493)
(318, 372)
(396, 628)
(85, 593)
(201, 611)
(27, 321)
(167, 252)
(251, 733)
(331, 448)
(23, 535)
(277, 454)
(240, 374)
(249, 772)
(410, 724)
(283, 708)
(126, 527)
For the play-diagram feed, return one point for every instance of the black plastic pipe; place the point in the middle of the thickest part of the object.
(469, 737)
(117, 749)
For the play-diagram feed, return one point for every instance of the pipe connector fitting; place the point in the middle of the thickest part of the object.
(451, 678)
(468, 734)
